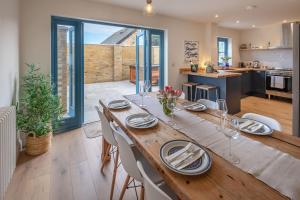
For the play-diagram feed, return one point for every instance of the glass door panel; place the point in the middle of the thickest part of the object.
(66, 71)
(141, 74)
(157, 59)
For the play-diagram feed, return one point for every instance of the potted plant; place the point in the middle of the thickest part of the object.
(38, 112)
(225, 60)
(209, 67)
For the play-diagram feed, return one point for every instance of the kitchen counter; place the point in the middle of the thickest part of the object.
(230, 72)
(227, 83)
(187, 71)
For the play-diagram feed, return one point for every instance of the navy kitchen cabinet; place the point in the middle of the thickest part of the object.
(246, 83)
(258, 82)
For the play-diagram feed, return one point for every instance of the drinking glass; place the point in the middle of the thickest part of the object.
(171, 104)
(147, 84)
(142, 92)
(222, 110)
(232, 133)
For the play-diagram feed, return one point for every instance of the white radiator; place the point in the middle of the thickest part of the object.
(7, 147)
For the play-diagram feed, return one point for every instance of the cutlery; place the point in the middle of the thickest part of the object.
(250, 127)
(197, 106)
(246, 124)
(191, 105)
(116, 105)
(141, 121)
(256, 128)
(144, 123)
(191, 159)
(173, 156)
(177, 163)
(184, 156)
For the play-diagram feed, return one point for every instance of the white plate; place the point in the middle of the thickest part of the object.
(193, 105)
(265, 130)
(199, 166)
(140, 115)
(111, 104)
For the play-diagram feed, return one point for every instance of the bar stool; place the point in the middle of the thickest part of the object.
(206, 89)
(189, 85)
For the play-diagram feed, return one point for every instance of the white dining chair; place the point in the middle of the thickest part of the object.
(210, 104)
(107, 134)
(152, 190)
(182, 96)
(129, 155)
(272, 123)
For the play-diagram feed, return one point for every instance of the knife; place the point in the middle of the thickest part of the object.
(173, 156)
(191, 159)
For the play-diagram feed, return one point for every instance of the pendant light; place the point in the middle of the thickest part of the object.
(148, 9)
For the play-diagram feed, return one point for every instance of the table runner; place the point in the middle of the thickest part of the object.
(277, 169)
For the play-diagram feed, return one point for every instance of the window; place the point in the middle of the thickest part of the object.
(222, 49)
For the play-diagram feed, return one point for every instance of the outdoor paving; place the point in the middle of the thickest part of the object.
(94, 91)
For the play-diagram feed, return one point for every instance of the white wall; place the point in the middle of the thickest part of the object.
(260, 37)
(36, 27)
(234, 35)
(9, 51)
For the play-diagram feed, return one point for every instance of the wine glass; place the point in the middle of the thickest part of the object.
(222, 110)
(171, 105)
(147, 84)
(232, 133)
(142, 92)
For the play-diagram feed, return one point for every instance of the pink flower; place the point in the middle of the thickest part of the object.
(168, 88)
(178, 92)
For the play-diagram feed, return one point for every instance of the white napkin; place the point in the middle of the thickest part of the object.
(245, 124)
(119, 104)
(186, 157)
(257, 128)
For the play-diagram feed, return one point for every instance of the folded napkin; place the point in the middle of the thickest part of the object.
(119, 104)
(256, 128)
(245, 124)
(185, 157)
(139, 121)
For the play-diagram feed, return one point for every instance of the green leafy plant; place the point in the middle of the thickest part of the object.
(226, 58)
(39, 109)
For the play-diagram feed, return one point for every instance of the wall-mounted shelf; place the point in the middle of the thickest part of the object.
(267, 49)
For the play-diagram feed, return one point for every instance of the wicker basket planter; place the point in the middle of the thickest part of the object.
(38, 145)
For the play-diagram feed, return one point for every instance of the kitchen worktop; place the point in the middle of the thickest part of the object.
(230, 72)
(187, 71)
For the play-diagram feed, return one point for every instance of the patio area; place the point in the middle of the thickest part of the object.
(94, 91)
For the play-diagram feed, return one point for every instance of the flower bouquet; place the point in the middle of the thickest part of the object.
(168, 96)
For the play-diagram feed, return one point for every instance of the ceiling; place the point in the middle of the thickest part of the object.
(229, 11)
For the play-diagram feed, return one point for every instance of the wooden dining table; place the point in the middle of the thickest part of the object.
(223, 180)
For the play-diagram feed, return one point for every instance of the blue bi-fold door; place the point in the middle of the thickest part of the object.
(67, 70)
(67, 67)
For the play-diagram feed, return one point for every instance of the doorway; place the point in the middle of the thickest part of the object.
(100, 60)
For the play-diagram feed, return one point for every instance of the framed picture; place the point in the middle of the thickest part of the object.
(191, 50)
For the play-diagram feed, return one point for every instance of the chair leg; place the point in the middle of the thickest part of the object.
(114, 175)
(195, 99)
(142, 193)
(191, 93)
(105, 157)
(208, 94)
(124, 187)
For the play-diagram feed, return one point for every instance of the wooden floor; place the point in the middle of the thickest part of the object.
(277, 109)
(70, 171)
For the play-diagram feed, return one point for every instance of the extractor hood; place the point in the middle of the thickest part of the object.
(287, 35)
